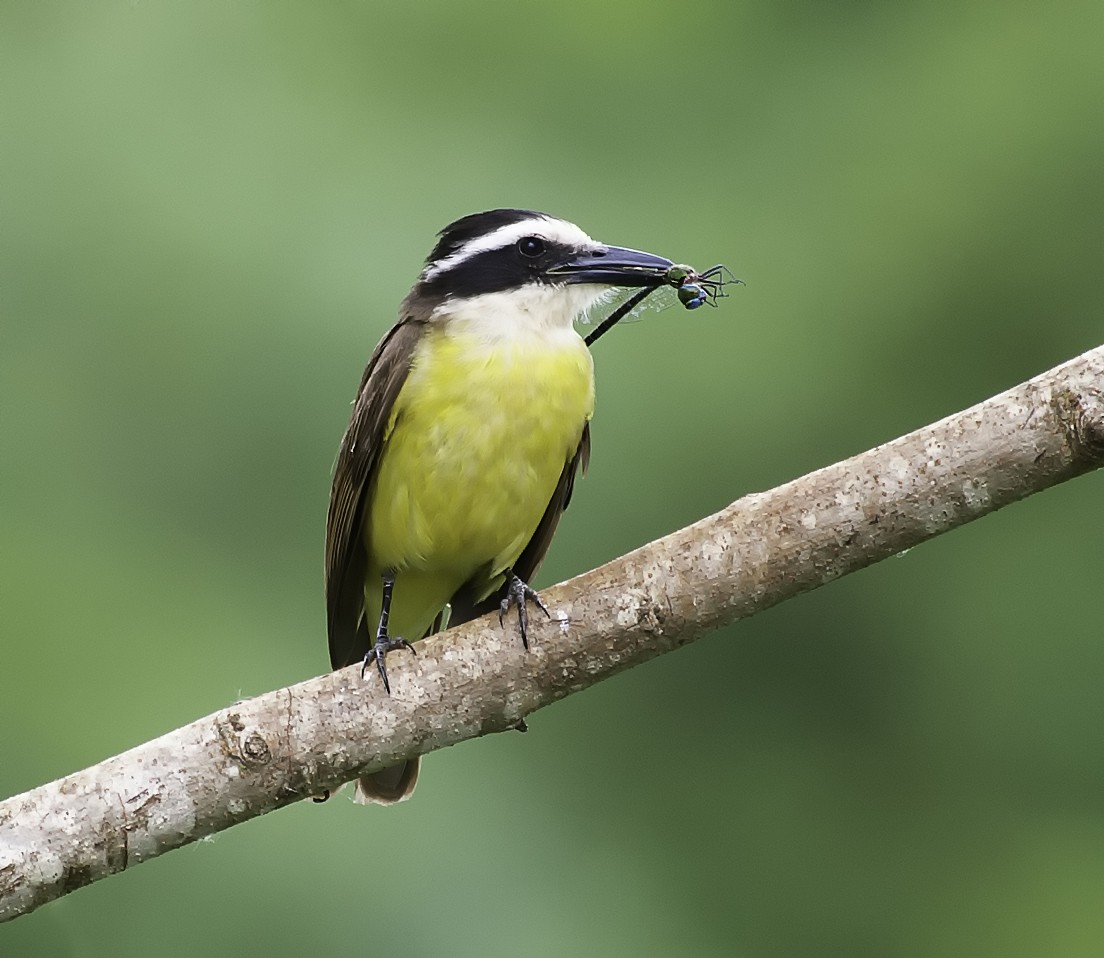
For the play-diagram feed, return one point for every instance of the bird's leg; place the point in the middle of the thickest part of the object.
(517, 593)
(384, 642)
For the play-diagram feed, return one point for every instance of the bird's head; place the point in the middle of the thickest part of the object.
(519, 269)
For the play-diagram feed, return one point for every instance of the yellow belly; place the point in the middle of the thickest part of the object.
(481, 432)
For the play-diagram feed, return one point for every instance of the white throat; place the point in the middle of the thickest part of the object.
(533, 309)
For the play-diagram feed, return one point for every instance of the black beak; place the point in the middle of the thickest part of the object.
(614, 266)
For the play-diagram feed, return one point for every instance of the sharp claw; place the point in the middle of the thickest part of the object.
(382, 669)
(518, 593)
(378, 653)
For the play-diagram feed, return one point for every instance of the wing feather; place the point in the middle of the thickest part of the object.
(357, 460)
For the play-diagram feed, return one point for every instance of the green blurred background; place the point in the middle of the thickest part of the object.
(208, 214)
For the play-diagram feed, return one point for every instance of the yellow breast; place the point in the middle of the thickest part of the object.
(481, 432)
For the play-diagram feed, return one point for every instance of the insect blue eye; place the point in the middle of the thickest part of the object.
(531, 246)
(691, 295)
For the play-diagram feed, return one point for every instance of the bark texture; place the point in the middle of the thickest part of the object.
(278, 748)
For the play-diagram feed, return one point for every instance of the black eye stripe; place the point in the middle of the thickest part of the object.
(495, 270)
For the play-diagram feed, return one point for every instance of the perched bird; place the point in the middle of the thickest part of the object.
(471, 421)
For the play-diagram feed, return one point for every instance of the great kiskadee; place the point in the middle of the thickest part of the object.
(470, 424)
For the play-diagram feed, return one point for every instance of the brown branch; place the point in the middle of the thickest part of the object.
(275, 749)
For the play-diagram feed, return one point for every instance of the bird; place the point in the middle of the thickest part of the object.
(470, 424)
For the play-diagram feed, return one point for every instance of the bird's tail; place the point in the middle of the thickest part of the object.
(388, 786)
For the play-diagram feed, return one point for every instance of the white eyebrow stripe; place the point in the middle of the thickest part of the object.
(554, 230)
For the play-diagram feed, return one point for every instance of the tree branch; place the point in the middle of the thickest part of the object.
(278, 748)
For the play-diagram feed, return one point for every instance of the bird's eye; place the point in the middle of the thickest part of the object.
(530, 246)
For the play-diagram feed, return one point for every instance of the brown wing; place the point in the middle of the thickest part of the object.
(356, 465)
(466, 604)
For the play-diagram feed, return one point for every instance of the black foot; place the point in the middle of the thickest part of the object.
(384, 644)
(517, 593)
